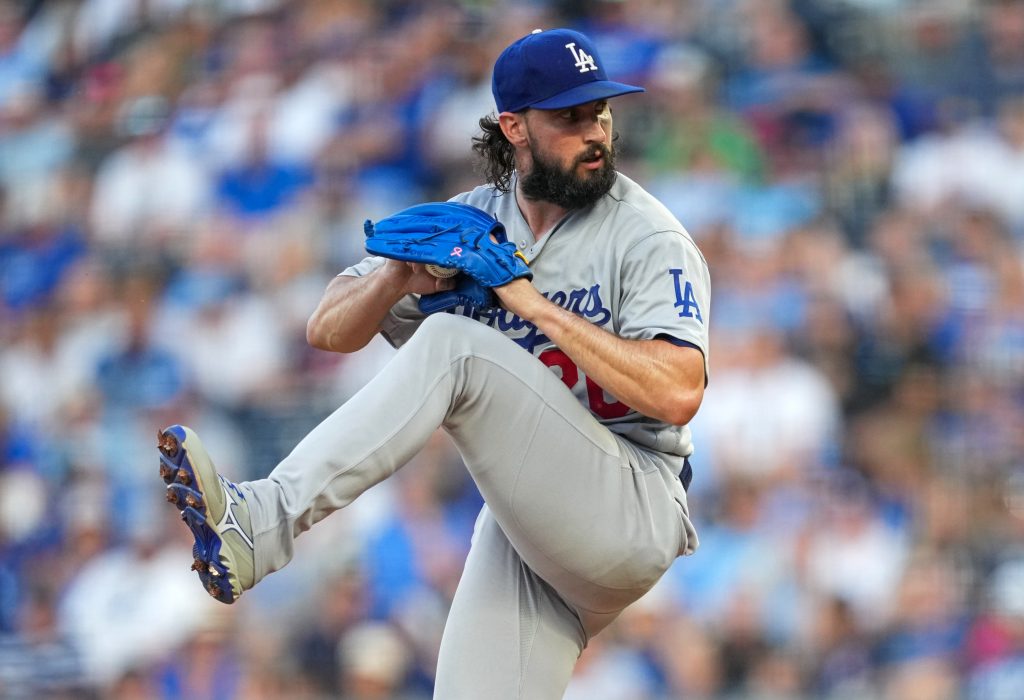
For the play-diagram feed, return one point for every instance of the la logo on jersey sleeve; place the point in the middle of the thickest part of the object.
(686, 301)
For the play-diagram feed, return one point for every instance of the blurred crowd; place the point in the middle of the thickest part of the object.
(179, 180)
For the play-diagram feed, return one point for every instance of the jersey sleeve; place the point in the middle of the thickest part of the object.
(666, 292)
(404, 317)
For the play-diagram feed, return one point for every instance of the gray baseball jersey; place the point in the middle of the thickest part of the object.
(625, 264)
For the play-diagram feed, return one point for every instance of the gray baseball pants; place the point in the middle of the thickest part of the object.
(578, 522)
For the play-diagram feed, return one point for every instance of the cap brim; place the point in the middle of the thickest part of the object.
(589, 92)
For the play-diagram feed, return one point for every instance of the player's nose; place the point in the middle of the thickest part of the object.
(594, 131)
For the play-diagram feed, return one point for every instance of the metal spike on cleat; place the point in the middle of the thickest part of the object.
(166, 473)
(167, 443)
(213, 589)
(183, 477)
(193, 502)
(172, 497)
(198, 564)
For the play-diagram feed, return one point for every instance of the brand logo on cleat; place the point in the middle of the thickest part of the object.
(229, 522)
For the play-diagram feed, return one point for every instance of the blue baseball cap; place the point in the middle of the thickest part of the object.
(552, 69)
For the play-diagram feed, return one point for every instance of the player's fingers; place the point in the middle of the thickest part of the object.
(444, 284)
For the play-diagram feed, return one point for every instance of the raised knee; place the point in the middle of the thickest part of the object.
(446, 323)
(457, 330)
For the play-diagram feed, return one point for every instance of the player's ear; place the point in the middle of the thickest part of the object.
(513, 125)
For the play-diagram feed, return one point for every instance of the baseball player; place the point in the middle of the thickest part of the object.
(568, 399)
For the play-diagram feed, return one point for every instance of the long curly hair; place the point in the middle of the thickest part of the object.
(495, 152)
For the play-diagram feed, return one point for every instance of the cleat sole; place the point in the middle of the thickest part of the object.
(182, 490)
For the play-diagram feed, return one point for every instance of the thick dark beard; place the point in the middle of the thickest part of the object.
(549, 183)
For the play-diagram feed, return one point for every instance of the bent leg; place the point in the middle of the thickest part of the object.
(577, 503)
(509, 635)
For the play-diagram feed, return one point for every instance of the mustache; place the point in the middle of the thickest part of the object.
(598, 150)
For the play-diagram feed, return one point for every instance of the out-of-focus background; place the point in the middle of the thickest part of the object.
(179, 180)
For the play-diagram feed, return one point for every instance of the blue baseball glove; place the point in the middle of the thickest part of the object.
(450, 235)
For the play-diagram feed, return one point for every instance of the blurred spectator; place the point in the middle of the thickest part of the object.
(119, 613)
(42, 370)
(852, 554)
(33, 262)
(285, 114)
(746, 572)
(693, 662)
(996, 645)
(932, 64)
(609, 671)
(922, 680)
(979, 165)
(999, 54)
(772, 415)
(692, 132)
(38, 660)
(628, 37)
(839, 650)
(857, 187)
(22, 55)
(204, 662)
(260, 187)
(928, 622)
(136, 373)
(147, 191)
(341, 606)
(375, 661)
(422, 547)
(413, 562)
(237, 348)
(454, 120)
(35, 142)
(788, 93)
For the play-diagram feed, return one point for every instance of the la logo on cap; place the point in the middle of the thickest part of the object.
(584, 61)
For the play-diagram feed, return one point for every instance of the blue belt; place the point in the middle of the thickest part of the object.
(686, 474)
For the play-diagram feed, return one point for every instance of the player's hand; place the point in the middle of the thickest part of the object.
(413, 278)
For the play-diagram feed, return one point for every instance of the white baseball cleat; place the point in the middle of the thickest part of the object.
(214, 510)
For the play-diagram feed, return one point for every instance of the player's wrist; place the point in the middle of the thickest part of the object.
(521, 298)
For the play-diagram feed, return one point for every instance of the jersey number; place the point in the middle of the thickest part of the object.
(554, 357)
